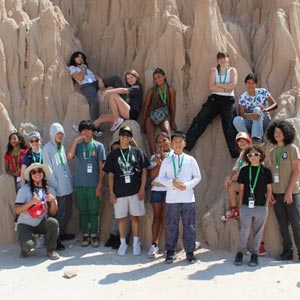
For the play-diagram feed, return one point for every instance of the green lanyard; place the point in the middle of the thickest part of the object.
(252, 188)
(126, 160)
(277, 157)
(240, 163)
(34, 158)
(180, 163)
(60, 155)
(163, 96)
(16, 163)
(220, 76)
(127, 98)
(91, 145)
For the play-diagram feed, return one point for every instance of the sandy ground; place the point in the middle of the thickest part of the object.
(101, 274)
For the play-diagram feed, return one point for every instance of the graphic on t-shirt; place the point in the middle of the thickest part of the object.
(284, 155)
(127, 168)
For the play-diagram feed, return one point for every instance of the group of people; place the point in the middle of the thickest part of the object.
(44, 183)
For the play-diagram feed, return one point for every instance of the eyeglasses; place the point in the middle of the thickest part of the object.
(256, 154)
(34, 141)
(35, 171)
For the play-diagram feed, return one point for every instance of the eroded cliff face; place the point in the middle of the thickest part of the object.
(182, 37)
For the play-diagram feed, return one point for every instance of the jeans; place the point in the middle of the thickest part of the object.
(256, 127)
(288, 214)
(214, 105)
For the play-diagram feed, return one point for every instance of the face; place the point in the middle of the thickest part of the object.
(35, 143)
(242, 144)
(178, 144)
(37, 175)
(159, 79)
(223, 61)
(14, 140)
(59, 137)
(87, 134)
(163, 143)
(278, 135)
(130, 79)
(250, 85)
(79, 59)
(125, 138)
(254, 156)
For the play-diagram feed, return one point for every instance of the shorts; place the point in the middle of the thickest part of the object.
(158, 197)
(129, 204)
(133, 114)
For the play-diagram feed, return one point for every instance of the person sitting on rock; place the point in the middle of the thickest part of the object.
(159, 108)
(89, 84)
(222, 82)
(254, 109)
(128, 107)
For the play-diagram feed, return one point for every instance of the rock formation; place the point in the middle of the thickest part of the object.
(182, 37)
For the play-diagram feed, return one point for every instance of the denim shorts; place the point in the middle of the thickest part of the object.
(158, 196)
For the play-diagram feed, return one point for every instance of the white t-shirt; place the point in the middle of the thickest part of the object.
(88, 78)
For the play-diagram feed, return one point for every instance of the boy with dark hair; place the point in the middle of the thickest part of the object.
(180, 174)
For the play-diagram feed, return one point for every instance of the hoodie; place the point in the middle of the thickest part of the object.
(61, 178)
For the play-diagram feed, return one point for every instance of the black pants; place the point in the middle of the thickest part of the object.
(64, 212)
(214, 105)
(288, 214)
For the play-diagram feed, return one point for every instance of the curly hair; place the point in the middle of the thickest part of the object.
(22, 142)
(72, 61)
(256, 148)
(287, 129)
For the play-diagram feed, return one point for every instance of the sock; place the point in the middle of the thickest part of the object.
(135, 239)
(123, 241)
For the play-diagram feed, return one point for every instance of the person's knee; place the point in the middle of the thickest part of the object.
(258, 110)
(238, 120)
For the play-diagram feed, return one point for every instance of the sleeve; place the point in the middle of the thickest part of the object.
(52, 180)
(242, 100)
(25, 159)
(22, 195)
(134, 90)
(196, 175)
(242, 176)
(101, 152)
(108, 165)
(266, 93)
(269, 178)
(153, 164)
(163, 175)
(73, 69)
(145, 161)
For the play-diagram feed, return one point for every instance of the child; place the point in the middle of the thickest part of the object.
(254, 197)
(180, 173)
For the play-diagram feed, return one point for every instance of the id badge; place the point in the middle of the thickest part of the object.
(127, 179)
(251, 202)
(276, 178)
(18, 179)
(89, 168)
(65, 174)
(84, 155)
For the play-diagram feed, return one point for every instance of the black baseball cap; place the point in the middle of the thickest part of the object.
(126, 129)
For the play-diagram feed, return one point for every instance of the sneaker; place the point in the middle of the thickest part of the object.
(191, 257)
(110, 241)
(285, 255)
(24, 253)
(171, 255)
(116, 124)
(262, 250)
(60, 246)
(248, 253)
(122, 249)
(75, 127)
(116, 244)
(85, 241)
(233, 213)
(253, 260)
(238, 261)
(256, 140)
(94, 241)
(97, 133)
(136, 248)
(153, 250)
(53, 255)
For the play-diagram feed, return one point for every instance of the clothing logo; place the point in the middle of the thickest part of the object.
(127, 168)
(284, 155)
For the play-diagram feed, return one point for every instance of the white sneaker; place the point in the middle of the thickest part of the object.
(153, 250)
(75, 127)
(136, 249)
(117, 124)
(122, 249)
(97, 133)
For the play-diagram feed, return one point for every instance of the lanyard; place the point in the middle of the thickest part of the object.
(127, 98)
(16, 163)
(252, 188)
(180, 163)
(60, 155)
(277, 157)
(91, 145)
(126, 160)
(34, 157)
(163, 96)
(240, 163)
(220, 76)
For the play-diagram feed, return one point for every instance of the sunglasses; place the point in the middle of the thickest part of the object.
(256, 154)
(126, 134)
(35, 171)
(34, 141)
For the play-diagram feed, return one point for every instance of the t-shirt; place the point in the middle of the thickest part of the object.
(250, 102)
(88, 156)
(288, 155)
(14, 163)
(130, 172)
(260, 191)
(31, 157)
(239, 162)
(89, 76)
(136, 98)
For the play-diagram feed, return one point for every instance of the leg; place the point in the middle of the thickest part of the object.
(118, 107)
(157, 223)
(108, 118)
(26, 237)
(150, 127)
(51, 229)
(90, 92)
(260, 218)
(232, 190)
(134, 225)
(165, 126)
(93, 210)
(122, 227)
(294, 218)
(64, 212)
(188, 216)
(257, 125)
(82, 207)
(245, 227)
(266, 121)
(207, 113)
(240, 124)
(172, 219)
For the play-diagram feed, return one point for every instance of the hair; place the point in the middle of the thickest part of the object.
(163, 134)
(251, 76)
(287, 129)
(155, 91)
(135, 74)
(44, 183)
(221, 54)
(86, 124)
(256, 148)
(72, 61)
(22, 142)
(178, 133)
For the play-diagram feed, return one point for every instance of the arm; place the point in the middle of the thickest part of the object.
(269, 194)
(231, 177)
(162, 176)
(52, 204)
(99, 188)
(196, 176)
(22, 174)
(228, 87)
(172, 109)
(117, 91)
(147, 108)
(9, 171)
(271, 104)
(79, 76)
(21, 208)
(141, 193)
(101, 85)
(244, 114)
(71, 152)
(241, 194)
(112, 195)
(52, 180)
(294, 178)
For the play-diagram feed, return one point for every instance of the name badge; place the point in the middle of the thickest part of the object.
(18, 179)
(251, 202)
(89, 168)
(127, 179)
(276, 178)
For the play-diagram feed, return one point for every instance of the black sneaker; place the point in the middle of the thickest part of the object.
(60, 246)
(256, 140)
(285, 255)
(191, 257)
(170, 256)
(116, 244)
(97, 133)
(110, 241)
(238, 261)
(67, 237)
(253, 260)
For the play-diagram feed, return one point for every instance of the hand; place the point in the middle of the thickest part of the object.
(255, 116)
(181, 186)
(79, 138)
(141, 194)
(157, 159)
(18, 173)
(273, 200)
(288, 199)
(227, 182)
(173, 125)
(50, 198)
(99, 190)
(113, 198)
(101, 85)
(35, 199)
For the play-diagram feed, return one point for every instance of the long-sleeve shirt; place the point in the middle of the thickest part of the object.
(185, 168)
